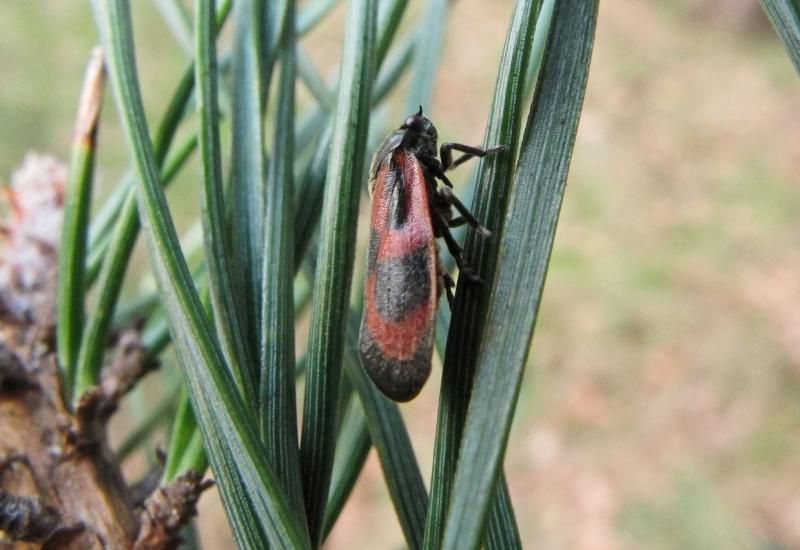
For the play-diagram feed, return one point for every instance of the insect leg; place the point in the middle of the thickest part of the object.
(446, 153)
(446, 282)
(438, 171)
(455, 249)
(451, 198)
(449, 284)
(456, 222)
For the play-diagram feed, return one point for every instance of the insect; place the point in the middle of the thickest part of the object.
(405, 276)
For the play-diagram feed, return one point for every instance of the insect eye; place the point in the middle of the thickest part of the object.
(414, 123)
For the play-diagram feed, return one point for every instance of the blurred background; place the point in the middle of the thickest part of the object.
(660, 408)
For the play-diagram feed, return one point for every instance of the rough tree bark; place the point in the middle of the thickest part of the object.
(59, 484)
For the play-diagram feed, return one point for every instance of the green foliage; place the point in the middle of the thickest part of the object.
(785, 17)
(334, 268)
(493, 184)
(529, 224)
(231, 313)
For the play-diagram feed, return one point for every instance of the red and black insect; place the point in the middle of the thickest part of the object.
(404, 275)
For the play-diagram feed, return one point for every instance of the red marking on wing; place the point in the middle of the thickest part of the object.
(402, 339)
(417, 229)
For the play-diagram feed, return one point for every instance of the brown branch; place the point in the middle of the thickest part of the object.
(26, 518)
(72, 478)
(59, 484)
(168, 509)
(128, 366)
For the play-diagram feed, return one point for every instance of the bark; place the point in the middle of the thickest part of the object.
(60, 486)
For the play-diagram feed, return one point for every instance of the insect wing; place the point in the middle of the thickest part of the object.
(396, 338)
(382, 157)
